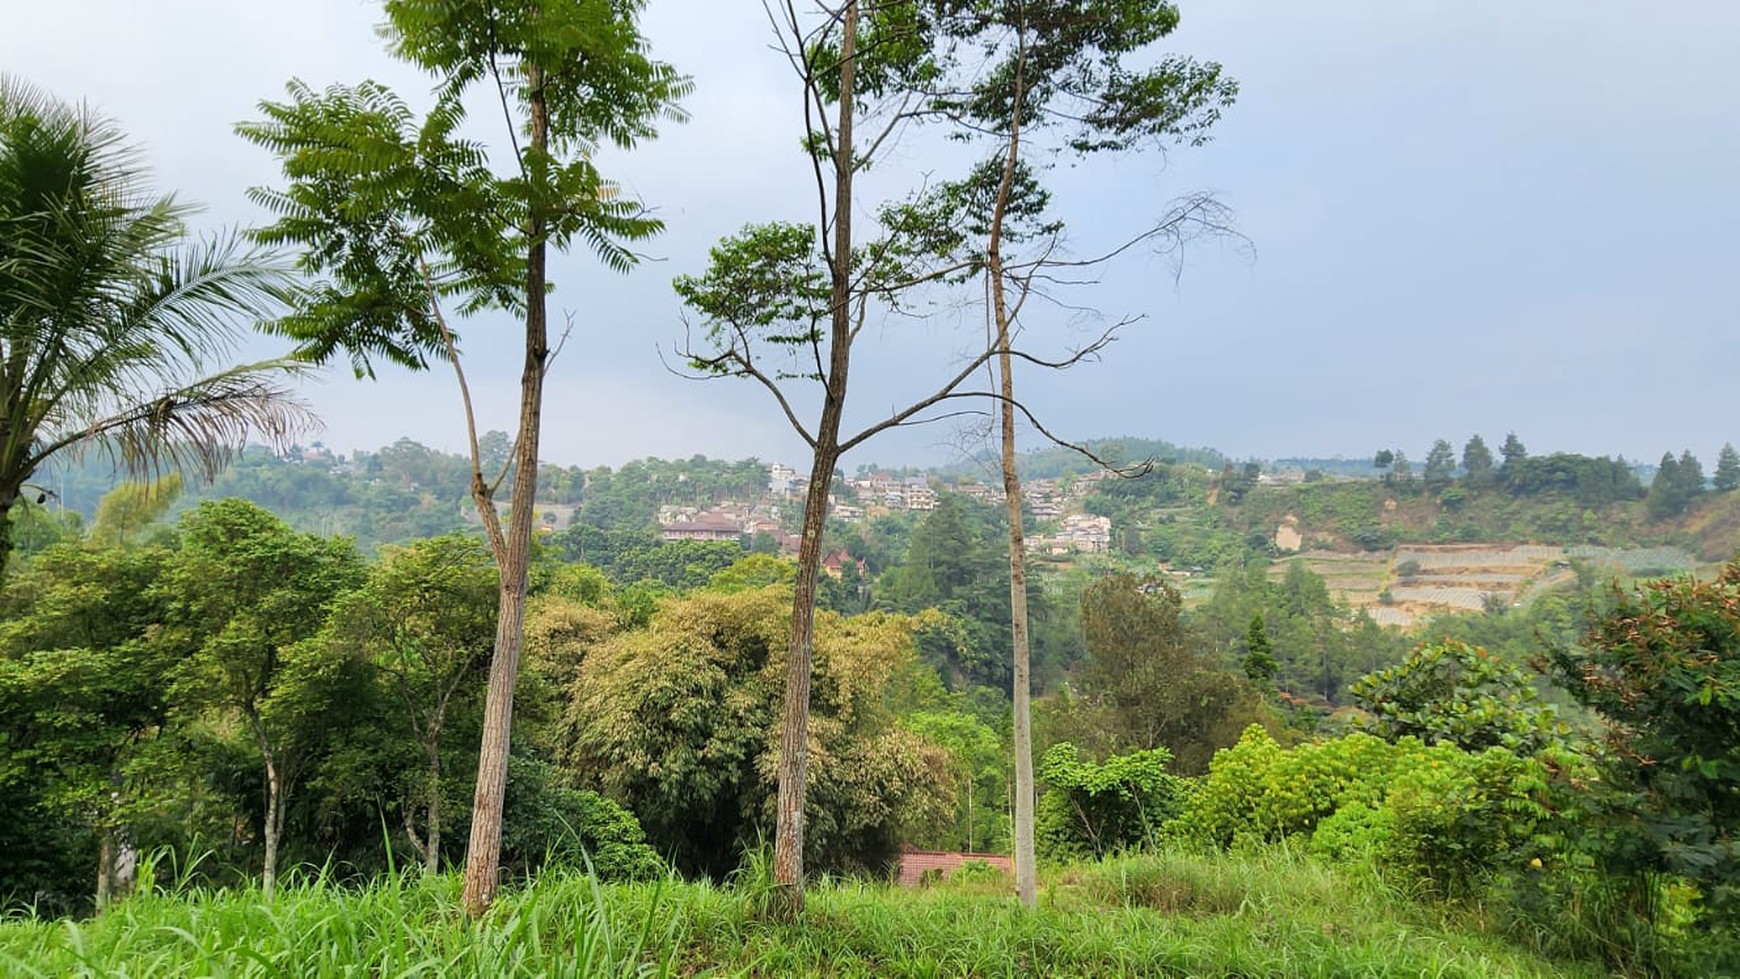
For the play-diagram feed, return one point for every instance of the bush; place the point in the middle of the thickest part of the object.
(1104, 808)
(1452, 692)
(1662, 668)
(549, 825)
(1436, 812)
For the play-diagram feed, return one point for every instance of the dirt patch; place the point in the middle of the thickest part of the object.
(1287, 536)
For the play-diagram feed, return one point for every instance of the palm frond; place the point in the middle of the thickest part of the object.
(198, 427)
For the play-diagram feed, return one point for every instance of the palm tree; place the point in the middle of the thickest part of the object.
(112, 319)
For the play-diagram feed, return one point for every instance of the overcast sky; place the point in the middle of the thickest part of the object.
(1468, 216)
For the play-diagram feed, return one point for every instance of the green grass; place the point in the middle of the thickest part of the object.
(1269, 914)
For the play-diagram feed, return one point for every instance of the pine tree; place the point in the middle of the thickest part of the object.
(1477, 462)
(1512, 450)
(1727, 469)
(1259, 661)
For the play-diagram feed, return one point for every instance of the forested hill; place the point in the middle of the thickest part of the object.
(1194, 508)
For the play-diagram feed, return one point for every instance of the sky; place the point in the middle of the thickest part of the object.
(1479, 216)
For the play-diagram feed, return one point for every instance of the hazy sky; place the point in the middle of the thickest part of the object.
(1469, 216)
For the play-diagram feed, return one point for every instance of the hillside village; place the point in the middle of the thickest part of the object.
(1051, 502)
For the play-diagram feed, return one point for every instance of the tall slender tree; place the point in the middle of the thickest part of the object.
(1727, 476)
(1477, 462)
(243, 593)
(114, 325)
(1054, 65)
(402, 217)
(785, 303)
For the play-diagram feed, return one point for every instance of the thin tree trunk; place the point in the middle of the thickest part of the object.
(274, 823)
(788, 840)
(483, 855)
(105, 868)
(1026, 871)
(1026, 878)
(8, 500)
(432, 849)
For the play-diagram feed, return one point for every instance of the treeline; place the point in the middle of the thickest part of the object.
(229, 684)
(407, 490)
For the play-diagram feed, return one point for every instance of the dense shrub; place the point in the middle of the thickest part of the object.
(1452, 692)
(1435, 812)
(1662, 667)
(1103, 808)
(550, 824)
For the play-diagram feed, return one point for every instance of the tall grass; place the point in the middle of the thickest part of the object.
(1264, 914)
(403, 925)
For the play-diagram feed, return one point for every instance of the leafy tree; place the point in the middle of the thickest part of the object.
(425, 620)
(1259, 663)
(1402, 473)
(1440, 467)
(782, 293)
(244, 593)
(1096, 809)
(83, 696)
(1053, 65)
(978, 763)
(677, 721)
(115, 327)
(1512, 451)
(1662, 668)
(1477, 463)
(953, 565)
(131, 507)
(1147, 684)
(400, 217)
(551, 823)
(1678, 482)
(1453, 692)
(1727, 469)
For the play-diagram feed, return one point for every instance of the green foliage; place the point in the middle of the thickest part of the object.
(131, 507)
(677, 722)
(957, 562)
(1677, 483)
(1727, 476)
(978, 763)
(1436, 812)
(1147, 683)
(552, 825)
(1440, 467)
(1102, 808)
(83, 697)
(1590, 481)
(393, 211)
(1452, 692)
(114, 324)
(1662, 667)
(1477, 463)
(1266, 914)
(1259, 663)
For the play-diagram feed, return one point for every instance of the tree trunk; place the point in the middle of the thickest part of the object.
(8, 499)
(274, 824)
(483, 855)
(105, 868)
(1026, 878)
(788, 840)
(432, 849)
(1026, 871)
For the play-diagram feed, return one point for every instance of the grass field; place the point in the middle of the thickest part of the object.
(1265, 914)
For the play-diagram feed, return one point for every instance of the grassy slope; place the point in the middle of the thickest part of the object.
(1264, 915)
